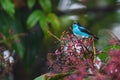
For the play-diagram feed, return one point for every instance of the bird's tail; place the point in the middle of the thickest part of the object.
(95, 37)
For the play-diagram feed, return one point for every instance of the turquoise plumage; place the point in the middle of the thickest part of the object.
(81, 32)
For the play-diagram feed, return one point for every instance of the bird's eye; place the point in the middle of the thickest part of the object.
(74, 23)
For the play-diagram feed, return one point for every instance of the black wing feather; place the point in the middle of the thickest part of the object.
(85, 31)
(88, 32)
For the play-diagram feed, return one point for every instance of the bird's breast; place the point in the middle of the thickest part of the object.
(78, 32)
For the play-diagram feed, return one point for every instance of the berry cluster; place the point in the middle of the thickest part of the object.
(76, 57)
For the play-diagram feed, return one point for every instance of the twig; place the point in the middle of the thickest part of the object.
(94, 49)
(53, 35)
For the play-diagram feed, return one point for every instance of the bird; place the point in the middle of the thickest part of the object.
(82, 32)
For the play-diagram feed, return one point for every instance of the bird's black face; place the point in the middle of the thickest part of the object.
(75, 25)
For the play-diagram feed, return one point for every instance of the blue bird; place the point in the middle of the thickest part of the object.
(81, 32)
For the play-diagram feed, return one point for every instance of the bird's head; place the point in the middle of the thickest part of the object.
(75, 25)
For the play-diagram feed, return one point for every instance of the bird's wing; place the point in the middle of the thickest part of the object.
(88, 32)
(85, 30)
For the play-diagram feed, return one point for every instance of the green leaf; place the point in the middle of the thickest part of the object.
(59, 76)
(42, 77)
(53, 19)
(111, 47)
(8, 6)
(46, 5)
(20, 49)
(43, 23)
(38, 16)
(52, 76)
(103, 56)
(34, 18)
(31, 3)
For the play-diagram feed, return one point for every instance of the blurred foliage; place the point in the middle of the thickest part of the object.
(13, 21)
(10, 33)
(25, 30)
(52, 76)
(105, 56)
(29, 20)
(8, 6)
(44, 17)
